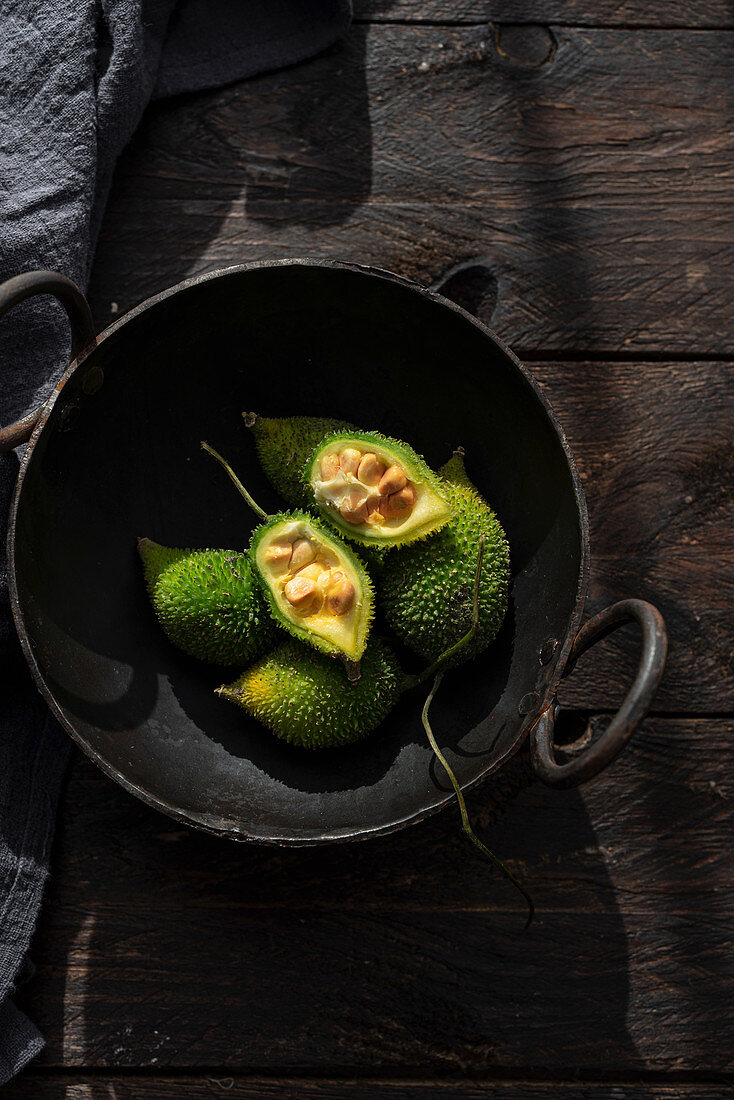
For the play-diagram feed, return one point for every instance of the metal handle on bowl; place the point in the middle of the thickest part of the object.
(589, 759)
(19, 288)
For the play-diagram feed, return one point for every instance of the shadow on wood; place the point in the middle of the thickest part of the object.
(163, 947)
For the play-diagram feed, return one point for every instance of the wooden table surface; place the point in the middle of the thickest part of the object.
(585, 167)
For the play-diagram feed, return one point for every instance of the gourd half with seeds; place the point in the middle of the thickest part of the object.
(283, 445)
(375, 490)
(316, 587)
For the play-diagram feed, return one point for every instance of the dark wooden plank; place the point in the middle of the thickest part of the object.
(655, 449)
(592, 169)
(620, 13)
(162, 947)
(670, 783)
(597, 182)
(405, 989)
(33, 1086)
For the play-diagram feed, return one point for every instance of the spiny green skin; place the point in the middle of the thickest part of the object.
(306, 699)
(427, 590)
(208, 603)
(374, 558)
(415, 466)
(341, 549)
(284, 444)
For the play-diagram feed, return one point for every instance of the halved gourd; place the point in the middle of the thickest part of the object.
(375, 490)
(283, 445)
(315, 586)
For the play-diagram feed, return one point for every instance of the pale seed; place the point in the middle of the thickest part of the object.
(278, 555)
(350, 459)
(311, 572)
(340, 599)
(393, 480)
(303, 553)
(374, 515)
(400, 504)
(329, 467)
(354, 508)
(300, 593)
(370, 469)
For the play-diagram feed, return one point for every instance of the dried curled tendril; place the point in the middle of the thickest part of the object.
(465, 822)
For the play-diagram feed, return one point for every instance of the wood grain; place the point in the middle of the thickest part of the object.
(162, 947)
(594, 184)
(655, 450)
(576, 159)
(670, 783)
(33, 1086)
(620, 13)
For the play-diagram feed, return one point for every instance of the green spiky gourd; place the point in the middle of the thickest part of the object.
(427, 589)
(375, 490)
(306, 699)
(208, 602)
(321, 621)
(284, 444)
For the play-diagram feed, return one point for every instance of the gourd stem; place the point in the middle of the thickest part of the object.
(457, 647)
(253, 504)
(353, 670)
(465, 822)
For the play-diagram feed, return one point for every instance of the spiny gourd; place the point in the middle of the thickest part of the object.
(306, 699)
(315, 586)
(375, 490)
(208, 602)
(283, 445)
(427, 589)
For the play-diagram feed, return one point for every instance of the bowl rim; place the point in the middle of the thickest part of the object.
(212, 823)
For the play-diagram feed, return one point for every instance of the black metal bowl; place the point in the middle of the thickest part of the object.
(114, 454)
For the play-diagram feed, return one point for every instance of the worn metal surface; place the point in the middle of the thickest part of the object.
(114, 455)
(589, 758)
(28, 285)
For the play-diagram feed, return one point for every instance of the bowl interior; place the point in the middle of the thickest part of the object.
(122, 459)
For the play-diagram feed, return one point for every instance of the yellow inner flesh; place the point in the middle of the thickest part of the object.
(337, 486)
(331, 612)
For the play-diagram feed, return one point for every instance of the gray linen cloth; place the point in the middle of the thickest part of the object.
(75, 77)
